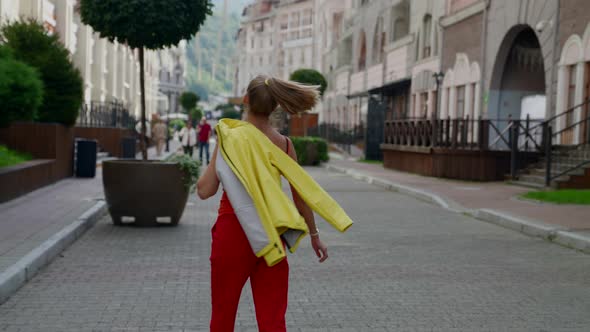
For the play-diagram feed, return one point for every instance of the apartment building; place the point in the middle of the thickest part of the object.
(110, 70)
(275, 38)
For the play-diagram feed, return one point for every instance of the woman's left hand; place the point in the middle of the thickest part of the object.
(320, 248)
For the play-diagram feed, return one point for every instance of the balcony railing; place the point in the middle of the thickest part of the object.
(105, 114)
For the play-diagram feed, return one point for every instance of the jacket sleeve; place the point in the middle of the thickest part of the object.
(312, 193)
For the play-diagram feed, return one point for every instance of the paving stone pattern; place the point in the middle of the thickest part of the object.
(404, 266)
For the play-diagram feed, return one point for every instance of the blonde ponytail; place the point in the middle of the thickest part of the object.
(266, 93)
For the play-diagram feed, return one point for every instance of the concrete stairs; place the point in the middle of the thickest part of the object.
(563, 159)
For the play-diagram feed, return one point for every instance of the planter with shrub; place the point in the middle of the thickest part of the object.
(149, 193)
(310, 150)
(146, 190)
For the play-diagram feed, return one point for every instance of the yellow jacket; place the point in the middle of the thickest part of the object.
(266, 213)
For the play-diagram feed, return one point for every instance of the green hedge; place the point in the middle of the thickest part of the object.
(62, 82)
(310, 150)
(21, 90)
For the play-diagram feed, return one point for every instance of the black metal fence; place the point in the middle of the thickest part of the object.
(105, 114)
(334, 133)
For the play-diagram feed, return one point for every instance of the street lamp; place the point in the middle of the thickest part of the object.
(438, 77)
(167, 93)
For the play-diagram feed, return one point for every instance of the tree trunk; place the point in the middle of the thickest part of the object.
(142, 90)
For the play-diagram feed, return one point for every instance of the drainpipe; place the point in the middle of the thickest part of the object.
(484, 33)
(556, 55)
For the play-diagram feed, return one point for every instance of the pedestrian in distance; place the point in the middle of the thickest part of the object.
(188, 136)
(159, 134)
(204, 134)
(251, 241)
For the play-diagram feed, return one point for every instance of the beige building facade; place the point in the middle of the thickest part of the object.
(110, 70)
(275, 38)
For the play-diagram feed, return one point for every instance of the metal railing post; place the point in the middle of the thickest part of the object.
(514, 150)
(548, 135)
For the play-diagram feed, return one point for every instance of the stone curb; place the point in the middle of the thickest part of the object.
(573, 240)
(552, 233)
(388, 185)
(532, 228)
(25, 268)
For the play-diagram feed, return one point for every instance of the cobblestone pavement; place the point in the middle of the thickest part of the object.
(404, 266)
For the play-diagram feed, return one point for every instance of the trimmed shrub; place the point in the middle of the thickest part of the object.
(231, 114)
(310, 150)
(188, 100)
(311, 77)
(21, 90)
(63, 91)
(196, 113)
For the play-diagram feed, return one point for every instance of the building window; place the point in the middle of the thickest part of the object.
(377, 41)
(571, 96)
(460, 102)
(427, 40)
(400, 28)
(362, 61)
(424, 105)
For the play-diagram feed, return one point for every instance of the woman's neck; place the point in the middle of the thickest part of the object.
(262, 122)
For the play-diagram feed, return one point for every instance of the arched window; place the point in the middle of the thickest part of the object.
(427, 39)
(400, 28)
(362, 60)
(378, 46)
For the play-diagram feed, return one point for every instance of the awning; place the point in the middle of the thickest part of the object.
(392, 86)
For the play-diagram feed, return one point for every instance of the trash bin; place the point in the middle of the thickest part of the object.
(85, 158)
(128, 147)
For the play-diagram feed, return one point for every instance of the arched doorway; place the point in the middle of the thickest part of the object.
(519, 72)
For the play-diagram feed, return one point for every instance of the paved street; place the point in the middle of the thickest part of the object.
(404, 266)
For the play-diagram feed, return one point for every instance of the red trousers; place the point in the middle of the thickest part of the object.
(232, 263)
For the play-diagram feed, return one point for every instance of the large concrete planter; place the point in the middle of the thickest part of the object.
(144, 193)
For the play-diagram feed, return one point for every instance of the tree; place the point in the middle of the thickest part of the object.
(21, 89)
(63, 84)
(188, 100)
(311, 77)
(195, 114)
(145, 24)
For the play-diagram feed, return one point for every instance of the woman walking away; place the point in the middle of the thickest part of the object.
(189, 138)
(257, 222)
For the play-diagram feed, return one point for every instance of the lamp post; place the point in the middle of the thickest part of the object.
(438, 77)
(167, 93)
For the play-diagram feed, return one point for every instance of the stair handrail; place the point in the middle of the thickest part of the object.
(548, 138)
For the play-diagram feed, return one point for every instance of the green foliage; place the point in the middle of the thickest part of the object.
(151, 24)
(310, 150)
(188, 100)
(196, 114)
(176, 124)
(10, 157)
(311, 77)
(21, 90)
(561, 196)
(63, 91)
(190, 166)
(231, 114)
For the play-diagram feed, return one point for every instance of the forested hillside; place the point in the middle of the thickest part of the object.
(207, 39)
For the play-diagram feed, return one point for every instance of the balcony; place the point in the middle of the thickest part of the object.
(397, 59)
(357, 82)
(342, 83)
(375, 76)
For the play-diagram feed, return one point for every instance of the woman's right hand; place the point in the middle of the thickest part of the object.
(320, 248)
